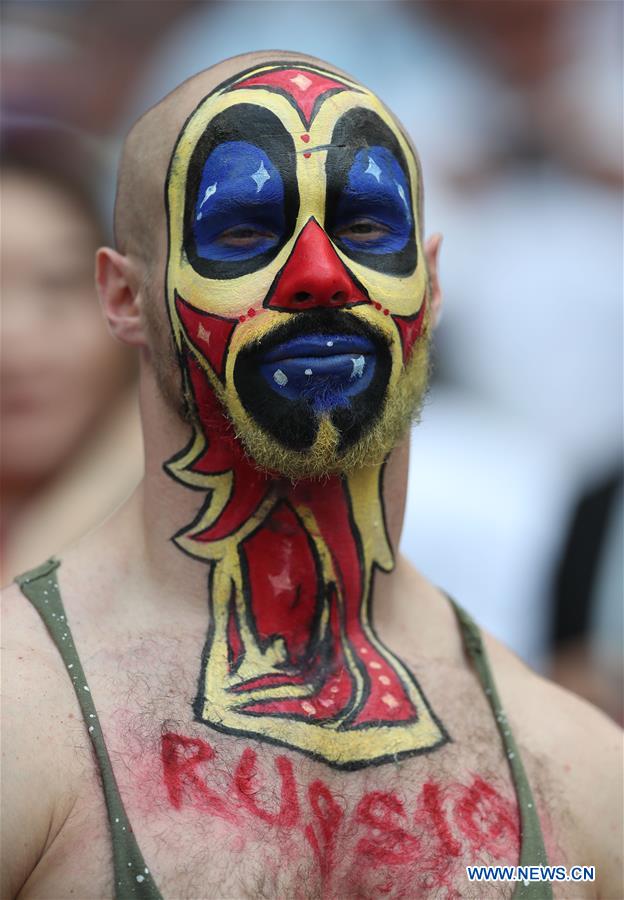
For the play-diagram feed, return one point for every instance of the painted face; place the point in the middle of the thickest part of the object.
(296, 278)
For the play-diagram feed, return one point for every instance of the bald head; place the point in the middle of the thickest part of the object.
(139, 203)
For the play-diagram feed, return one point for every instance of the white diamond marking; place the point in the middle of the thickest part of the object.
(260, 176)
(358, 367)
(373, 169)
(210, 190)
(302, 82)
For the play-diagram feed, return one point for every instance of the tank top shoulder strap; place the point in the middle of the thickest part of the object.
(133, 880)
(532, 850)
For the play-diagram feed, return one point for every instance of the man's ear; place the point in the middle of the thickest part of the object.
(119, 288)
(432, 253)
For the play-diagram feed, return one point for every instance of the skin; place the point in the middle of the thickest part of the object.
(50, 398)
(53, 400)
(220, 816)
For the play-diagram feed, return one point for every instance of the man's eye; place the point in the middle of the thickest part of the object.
(362, 231)
(245, 236)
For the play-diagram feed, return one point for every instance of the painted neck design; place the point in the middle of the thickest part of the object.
(291, 656)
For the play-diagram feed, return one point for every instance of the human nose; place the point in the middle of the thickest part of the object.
(314, 276)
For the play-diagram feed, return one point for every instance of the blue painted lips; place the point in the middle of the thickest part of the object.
(325, 370)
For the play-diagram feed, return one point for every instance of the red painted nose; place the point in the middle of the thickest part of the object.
(314, 276)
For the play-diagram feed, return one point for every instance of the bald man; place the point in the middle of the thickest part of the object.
(235, 688)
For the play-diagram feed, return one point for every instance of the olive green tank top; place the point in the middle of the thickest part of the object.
(133, 879)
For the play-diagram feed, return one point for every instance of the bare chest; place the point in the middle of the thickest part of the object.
(218, 815)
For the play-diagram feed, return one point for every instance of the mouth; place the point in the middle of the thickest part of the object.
(321, 363)
(326, 370)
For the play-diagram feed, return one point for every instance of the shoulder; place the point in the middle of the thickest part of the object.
(578, 750)
(44, 747)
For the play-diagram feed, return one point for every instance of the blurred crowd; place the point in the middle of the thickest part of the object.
(515, 501)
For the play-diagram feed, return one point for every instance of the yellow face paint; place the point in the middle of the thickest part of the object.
(296, 287)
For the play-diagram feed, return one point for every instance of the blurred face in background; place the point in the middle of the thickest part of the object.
(59, 368)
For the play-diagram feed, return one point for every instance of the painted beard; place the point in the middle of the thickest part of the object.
(315, 394)
(327, 423)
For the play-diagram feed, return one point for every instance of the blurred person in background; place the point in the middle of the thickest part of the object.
(587, 621)
(70, 446)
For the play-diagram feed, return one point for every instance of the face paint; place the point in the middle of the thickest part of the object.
(296, 291)
(292, 191)
(241, 198)
(241, 170)
(367, 182)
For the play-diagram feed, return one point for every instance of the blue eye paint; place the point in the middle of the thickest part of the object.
(376, 188)
(239, 207)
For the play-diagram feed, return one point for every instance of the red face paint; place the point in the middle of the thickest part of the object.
(410, 328)
(314, 277)
(210, 333)
(305, 89)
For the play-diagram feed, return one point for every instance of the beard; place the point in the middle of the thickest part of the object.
(320, 431)
(296, 439)
(164, 360)
(326, 457)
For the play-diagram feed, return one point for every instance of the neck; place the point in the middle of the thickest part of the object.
(291, 571)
